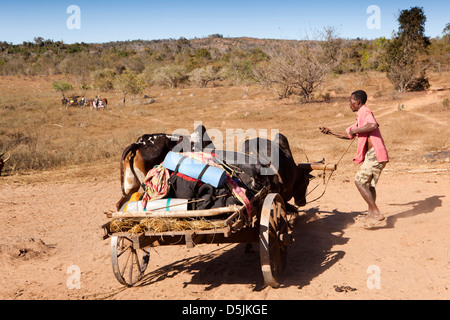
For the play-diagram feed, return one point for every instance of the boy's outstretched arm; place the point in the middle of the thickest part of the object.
(326, 130)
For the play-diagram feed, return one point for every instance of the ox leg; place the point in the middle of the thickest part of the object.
(140, 176)
(249, 248)
(131, 184)
(121, 202)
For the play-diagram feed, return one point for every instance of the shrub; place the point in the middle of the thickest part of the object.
(446, 104)
(104, 79)
(203, 76)
(129, 83)
(61, 86)
(171, 75)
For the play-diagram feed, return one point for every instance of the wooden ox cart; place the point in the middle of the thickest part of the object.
(267, 224)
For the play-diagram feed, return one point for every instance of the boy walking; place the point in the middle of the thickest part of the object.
(371, 154)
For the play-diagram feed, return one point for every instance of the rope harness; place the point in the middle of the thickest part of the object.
(324, 174)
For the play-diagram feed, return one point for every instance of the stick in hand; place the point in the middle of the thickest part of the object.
(325, 130)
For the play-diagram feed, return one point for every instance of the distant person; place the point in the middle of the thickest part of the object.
(99, 102)
(371, 154)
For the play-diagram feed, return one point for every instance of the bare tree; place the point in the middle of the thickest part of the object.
(301, 66)
(268, 75)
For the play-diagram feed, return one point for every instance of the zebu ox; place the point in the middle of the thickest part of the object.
(104, 102)
(150, 150)
(286, 177)
(95, 103)
(3, 161)
(274, 165)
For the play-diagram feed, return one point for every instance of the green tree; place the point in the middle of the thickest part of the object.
(61, 86)
(104, 79)
(446, 33)
(129, 83)
(379, 47)
(405, 68)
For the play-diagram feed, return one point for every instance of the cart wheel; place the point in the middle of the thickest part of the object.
(274, 238)
(128, 264)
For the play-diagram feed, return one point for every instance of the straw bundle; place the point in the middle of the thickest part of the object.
(119, 225)
(157, 225)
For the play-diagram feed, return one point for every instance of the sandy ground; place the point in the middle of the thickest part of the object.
(51, 229)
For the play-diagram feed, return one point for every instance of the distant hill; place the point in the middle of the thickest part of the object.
(44, 56)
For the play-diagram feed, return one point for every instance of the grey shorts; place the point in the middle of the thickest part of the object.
(370, 170)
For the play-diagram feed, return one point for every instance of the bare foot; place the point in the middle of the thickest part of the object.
(372, 221)
(375, 214)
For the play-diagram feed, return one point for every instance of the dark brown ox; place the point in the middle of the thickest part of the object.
(149, 151)
(285, 176)
(2, 162)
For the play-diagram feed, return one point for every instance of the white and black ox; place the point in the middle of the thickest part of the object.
(149, 151)
(274, 165)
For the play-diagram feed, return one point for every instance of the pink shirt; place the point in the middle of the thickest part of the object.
(365, 116)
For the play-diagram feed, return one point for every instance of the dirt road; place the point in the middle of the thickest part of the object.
(51, 230)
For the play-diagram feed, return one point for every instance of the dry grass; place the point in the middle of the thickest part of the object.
(41, 134)
(157, 225)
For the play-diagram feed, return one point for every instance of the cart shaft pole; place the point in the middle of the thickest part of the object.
(318, 166)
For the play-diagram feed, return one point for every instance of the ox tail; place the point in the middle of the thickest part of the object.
(131, 148)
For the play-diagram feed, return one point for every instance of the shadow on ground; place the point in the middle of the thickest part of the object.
(316, 232)
(425, 206)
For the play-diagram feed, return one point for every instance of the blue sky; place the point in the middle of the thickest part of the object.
(112, 20)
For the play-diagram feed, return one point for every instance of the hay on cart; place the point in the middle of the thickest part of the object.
(156, 225)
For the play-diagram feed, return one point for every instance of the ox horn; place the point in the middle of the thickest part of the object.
(9, 156)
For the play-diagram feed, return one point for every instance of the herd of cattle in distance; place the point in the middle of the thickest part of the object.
(96, 103)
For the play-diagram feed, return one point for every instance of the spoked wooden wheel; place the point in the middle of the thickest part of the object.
(128, 263)
(274, 239)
